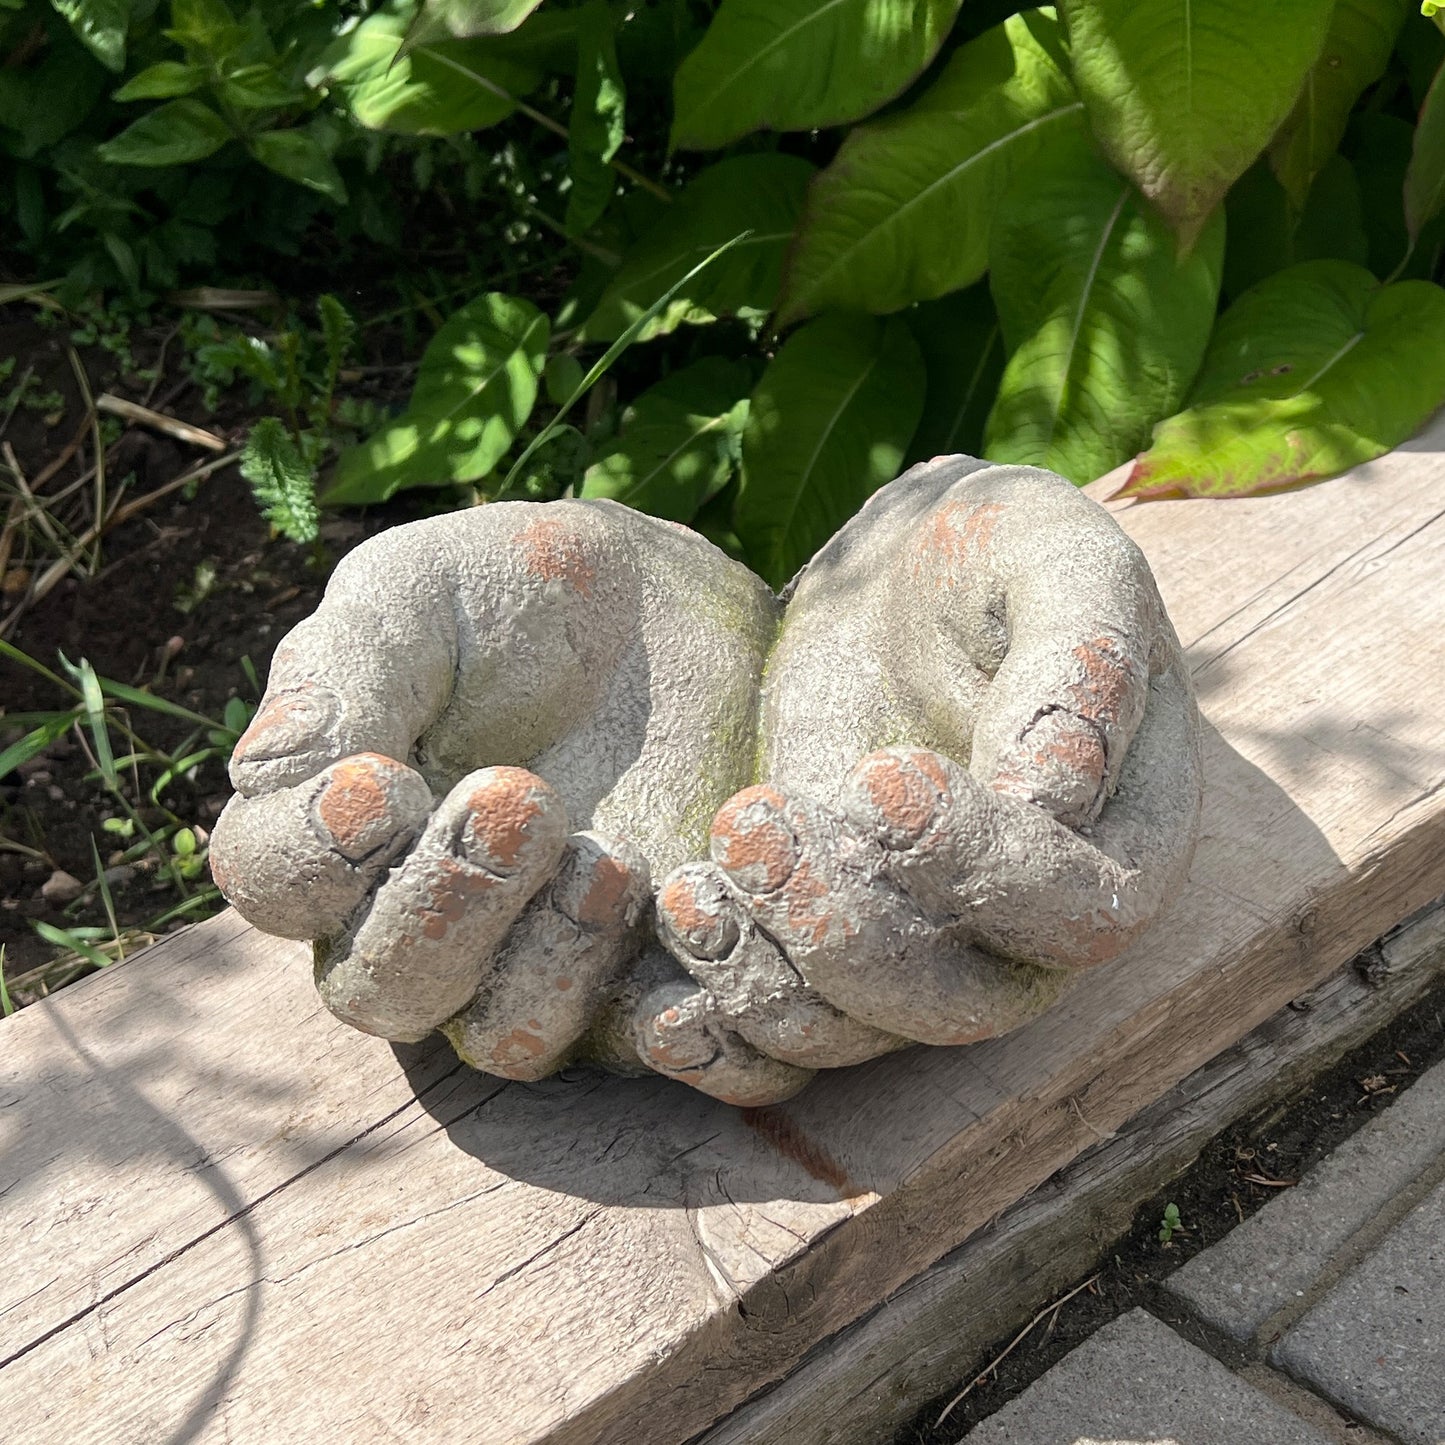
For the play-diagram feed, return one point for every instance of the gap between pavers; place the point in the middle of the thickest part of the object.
(1136, 1380)
(1375, 1344)
(1279, 1256)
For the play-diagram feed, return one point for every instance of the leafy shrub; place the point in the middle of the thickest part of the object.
(1206, 232)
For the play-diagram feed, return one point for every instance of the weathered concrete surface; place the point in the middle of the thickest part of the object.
(1376, 1344)
(1137, 1381)
(1278, 1254)
(959, 763)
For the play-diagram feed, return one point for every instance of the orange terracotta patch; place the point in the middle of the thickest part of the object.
(604, 905)
(354, 800)
(679, 902)
(1108, 680)
(455, 887)
(519, 1047)
(749, 843)
(503, 811)
(955, 537)
(907, 800)
(552, 551)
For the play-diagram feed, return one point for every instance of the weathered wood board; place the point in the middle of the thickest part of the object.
(943, 1327)
(231, 1218)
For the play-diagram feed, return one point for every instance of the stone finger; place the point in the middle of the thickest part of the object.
(1013, 879)
(708, 930)
(298, 862)
(677, 1031)
(434, 927)
(561, 960)
(822, 889)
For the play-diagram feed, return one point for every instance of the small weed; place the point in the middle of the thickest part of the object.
(138, 775)
(1171, 1224)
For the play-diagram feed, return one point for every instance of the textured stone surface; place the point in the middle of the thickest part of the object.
(1376, 1343)
(1136, 1381)
(1276, 1255)
(958, 761)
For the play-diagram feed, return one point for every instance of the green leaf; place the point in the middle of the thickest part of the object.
(439, 88)
(37, 740)
(299, 156)
(1357, 48)
(1184, 94)
(161, 81)
(827, 426)
(464, 19)
(338, 334)
(171, 135)
(93, 699)
(475, 390)
(1105, 326)
(100, 25)
(561, 376)
(962, 346)
(760, 193)
(903, 212)
(598, 124)
(801, 64)
(679, 442)
(70, 940)
(281, 481)
(1315, 370)
(1425, 179)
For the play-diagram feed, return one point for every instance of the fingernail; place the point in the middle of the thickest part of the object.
(899, 794)
(753, 842)
(695, 913)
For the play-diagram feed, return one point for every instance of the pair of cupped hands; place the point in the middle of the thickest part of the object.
(567, 783)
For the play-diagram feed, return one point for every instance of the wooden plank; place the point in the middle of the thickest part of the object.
(231, 1216)
(872, 1378)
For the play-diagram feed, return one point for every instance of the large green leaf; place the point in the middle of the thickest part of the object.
(828, 425)
(439, 88)
(598, 127)
(465, 19)
(170, 135)
(1317, 369)
(1104, 324)
(161, 81)
(474, 392)
(962, 346)
(100, 26)
(801, 64)
(1425, 179)
(1184, 94)
(679, 442)
(903, 212)
(1357, 48)
(758, 193)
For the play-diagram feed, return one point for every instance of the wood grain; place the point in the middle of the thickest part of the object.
(232, 1218)
(944, 1326)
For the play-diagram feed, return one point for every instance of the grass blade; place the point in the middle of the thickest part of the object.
(600, 366)
(37, 741)
(64, 938)
(94, 700)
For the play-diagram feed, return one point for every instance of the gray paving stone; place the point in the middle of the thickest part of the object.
(1376, 1343)
(1136, 1380)
(1275, 1256)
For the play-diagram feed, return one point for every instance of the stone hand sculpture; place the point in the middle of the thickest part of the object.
(565, 782)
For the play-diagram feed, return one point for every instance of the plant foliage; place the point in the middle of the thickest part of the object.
(735, 263)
